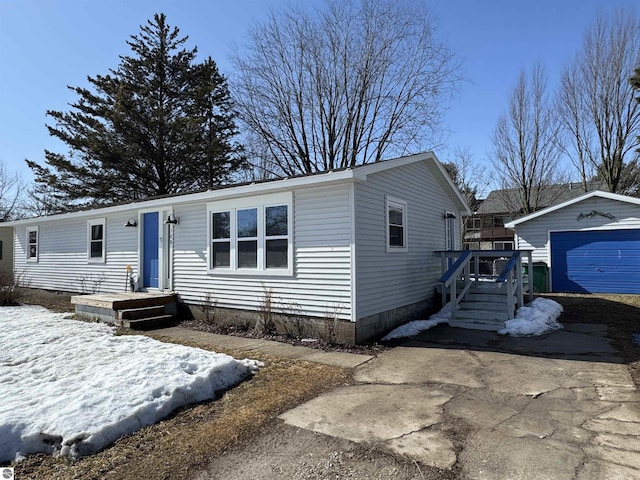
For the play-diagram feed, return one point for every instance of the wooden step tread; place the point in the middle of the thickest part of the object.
(141, 312)
(148, 323)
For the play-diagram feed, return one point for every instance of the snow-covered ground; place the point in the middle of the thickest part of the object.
(72, 387)
(536, 318)
(417, 326)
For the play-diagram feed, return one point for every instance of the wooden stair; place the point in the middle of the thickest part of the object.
(138, 311)
(485, 307)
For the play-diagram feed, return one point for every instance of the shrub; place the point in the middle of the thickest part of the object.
(10, 287)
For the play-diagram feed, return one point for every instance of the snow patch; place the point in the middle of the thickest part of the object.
(417, 326)
(536, 318)
(72, 388)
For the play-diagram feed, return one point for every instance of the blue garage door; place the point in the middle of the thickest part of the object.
(604, 261)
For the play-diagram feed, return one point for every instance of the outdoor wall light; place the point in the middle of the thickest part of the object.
(171, 220)
(131, 223)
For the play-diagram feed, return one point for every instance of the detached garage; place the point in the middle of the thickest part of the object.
(591, 244)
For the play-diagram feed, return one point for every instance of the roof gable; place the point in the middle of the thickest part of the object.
(504, 200)
(596, 193)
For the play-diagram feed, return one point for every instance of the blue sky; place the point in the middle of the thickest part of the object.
(46, 45)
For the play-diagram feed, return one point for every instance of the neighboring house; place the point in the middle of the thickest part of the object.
(6, 249)
(485, 228)
(590, 243)
(355, 245)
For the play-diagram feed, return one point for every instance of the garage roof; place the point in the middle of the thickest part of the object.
(595, 193)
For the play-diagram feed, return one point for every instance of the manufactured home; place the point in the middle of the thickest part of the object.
(354, 245)
(591, 244)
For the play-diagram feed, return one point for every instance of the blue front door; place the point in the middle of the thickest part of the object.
(150, 241)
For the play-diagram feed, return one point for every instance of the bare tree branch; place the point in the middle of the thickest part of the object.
(526, 142)
(350, 84)
(10, 193)
(596, 106)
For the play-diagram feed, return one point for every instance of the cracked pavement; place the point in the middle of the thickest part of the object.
(557, 407)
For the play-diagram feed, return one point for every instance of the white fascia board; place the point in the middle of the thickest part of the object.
(274, 186)
(363, 171)
(460, 198)
(586, 196)
(428, 157)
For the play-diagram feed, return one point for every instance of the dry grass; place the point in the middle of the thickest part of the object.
(184, 442)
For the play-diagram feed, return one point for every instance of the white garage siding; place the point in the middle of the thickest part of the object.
(391, 280)
(534, 233)
(62, 258)
(320, 285)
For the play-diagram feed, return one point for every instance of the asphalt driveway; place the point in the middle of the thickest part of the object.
(562, 406)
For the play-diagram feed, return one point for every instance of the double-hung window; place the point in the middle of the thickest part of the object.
(251, 235)
(221, 240)
(276, 233)
(32, 244)
(247, 241)
(396, 211)
(96, 240)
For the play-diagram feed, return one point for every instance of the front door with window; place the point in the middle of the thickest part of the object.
(150, 249)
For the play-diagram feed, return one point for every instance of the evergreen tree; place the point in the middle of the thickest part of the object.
(158, 124)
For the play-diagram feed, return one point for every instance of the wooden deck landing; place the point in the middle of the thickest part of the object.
(133, 310)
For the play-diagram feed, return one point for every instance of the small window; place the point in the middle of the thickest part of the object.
(32, 244)
(221, 240)
(503, 245)
(96, 234)
(396, 225)
(277, 236)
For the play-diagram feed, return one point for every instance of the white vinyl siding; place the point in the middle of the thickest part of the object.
(319, 281)
(385, 280)
(534, 234)
(63, 252)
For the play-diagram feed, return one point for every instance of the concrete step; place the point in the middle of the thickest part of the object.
(138, 313)
(482, 315)
(477, 325)
(494, 306)
(148, 323)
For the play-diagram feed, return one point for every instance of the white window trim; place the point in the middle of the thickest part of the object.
(37, 257)
(260, 203)
(402, 204)
(91, 223)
